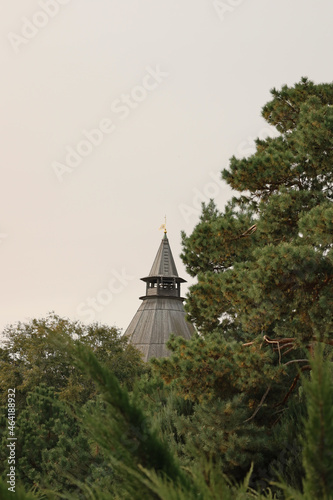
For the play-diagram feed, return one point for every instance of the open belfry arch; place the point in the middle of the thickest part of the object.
(161, 312)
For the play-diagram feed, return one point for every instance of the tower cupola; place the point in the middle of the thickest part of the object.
(161, 312)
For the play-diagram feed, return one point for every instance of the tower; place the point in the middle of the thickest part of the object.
(161, 312)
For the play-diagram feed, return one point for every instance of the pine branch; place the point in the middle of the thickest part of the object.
(296, 361)
(293, 385)
(260, 404)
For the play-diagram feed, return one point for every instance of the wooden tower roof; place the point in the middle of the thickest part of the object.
(164, 264)
(161, 312)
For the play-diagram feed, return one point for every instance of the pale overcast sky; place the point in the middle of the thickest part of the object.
(175, 89)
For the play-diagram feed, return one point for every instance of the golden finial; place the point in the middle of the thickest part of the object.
(163, 226)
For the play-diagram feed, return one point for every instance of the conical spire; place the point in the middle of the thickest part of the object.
(164, 264)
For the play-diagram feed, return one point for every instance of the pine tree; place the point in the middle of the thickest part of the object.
(265, 263)
(264, 269)
(233, 391)
(318, 438)
(146, 468)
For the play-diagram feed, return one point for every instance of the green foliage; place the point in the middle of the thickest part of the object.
(143, 462)
(123, 422)
(204, 369)
(145, 465)
(29, 358)
(318, 438)
(287, 292)
(265, 263)
(234, 391)
(264, 270)
(231, 410)
(20, 493)
(50, 393)
(288, 435)
(51, 445)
